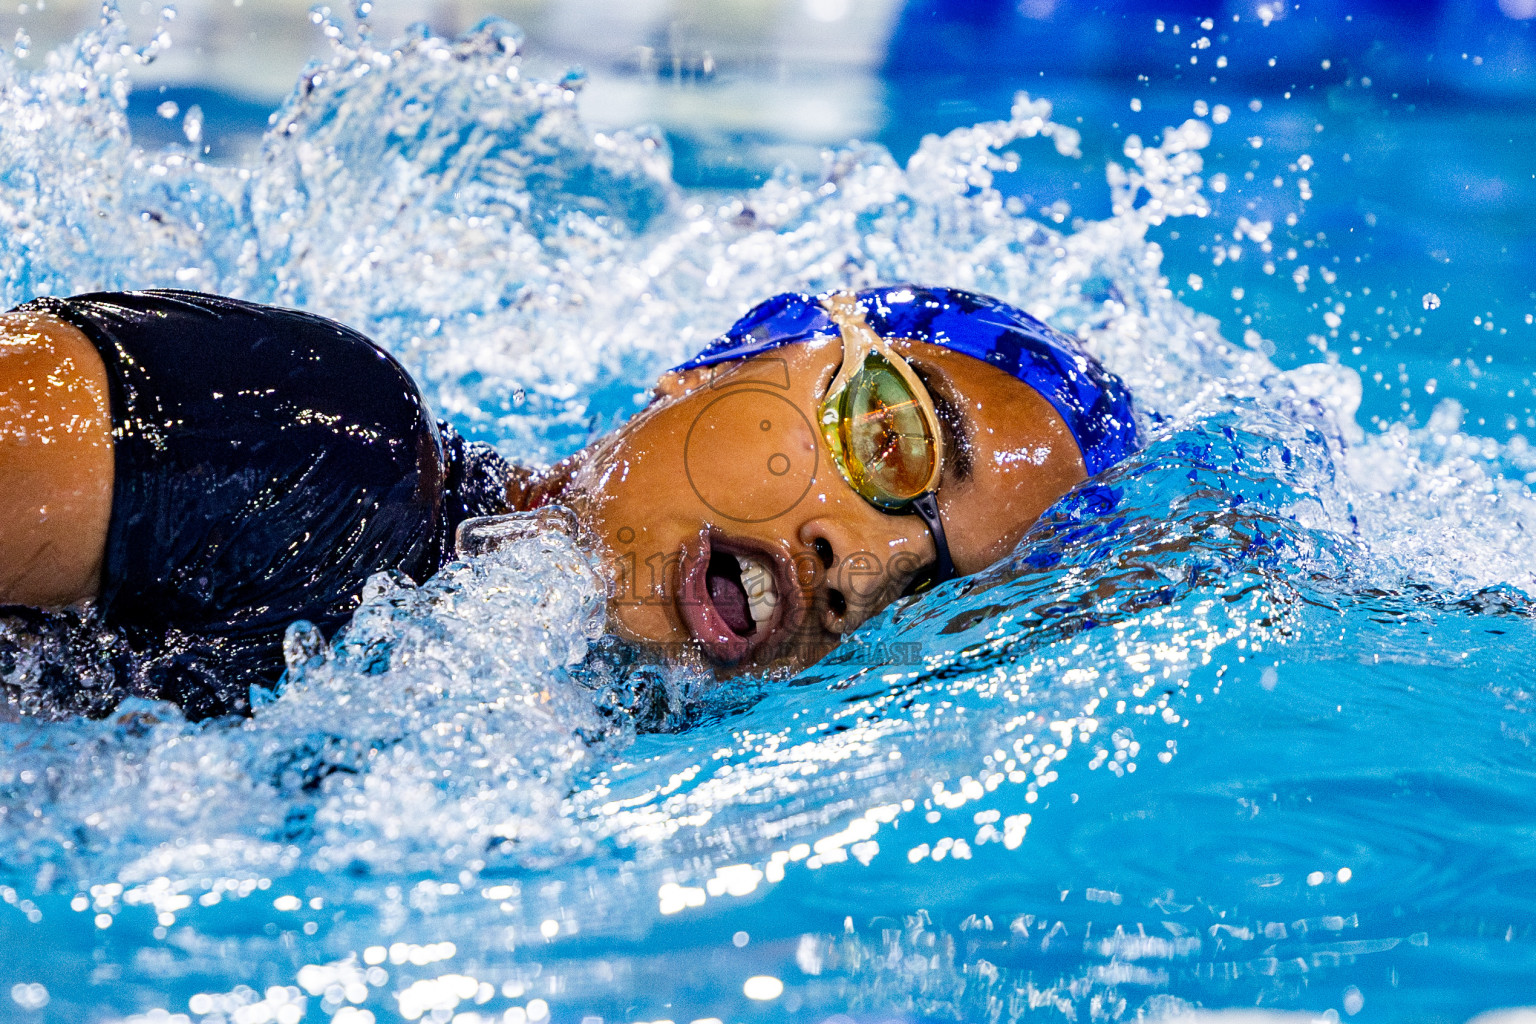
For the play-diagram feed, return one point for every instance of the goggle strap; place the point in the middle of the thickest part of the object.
(927, 509)
(857, 338)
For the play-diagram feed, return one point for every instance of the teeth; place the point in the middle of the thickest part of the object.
(762, 594)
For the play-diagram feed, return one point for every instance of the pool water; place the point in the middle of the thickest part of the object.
(1245, 723)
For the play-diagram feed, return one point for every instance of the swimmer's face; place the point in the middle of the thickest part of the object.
(730, 530)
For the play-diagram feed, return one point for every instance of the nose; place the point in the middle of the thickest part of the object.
(859, 560)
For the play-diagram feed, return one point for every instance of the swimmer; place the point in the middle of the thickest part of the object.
(203, 471)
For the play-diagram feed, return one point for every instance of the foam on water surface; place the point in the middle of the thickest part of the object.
(1245, 719)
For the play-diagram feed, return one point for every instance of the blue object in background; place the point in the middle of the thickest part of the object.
(1295, 780)
(229, 127)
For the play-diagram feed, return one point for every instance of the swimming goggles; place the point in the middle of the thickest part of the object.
(883, 431)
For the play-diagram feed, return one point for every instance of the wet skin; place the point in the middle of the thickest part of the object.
(728, 461)
(724, 474)
(55, 462)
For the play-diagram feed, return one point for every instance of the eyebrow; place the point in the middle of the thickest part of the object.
(958, 434)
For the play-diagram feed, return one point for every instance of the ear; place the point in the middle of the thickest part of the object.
(677, 383)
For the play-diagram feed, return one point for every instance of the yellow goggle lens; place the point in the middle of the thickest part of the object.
(884, 439)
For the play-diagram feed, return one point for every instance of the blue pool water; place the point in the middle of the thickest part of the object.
(1247, 723)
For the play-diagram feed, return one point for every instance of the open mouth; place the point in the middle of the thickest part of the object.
(733, 598)
(743, 591)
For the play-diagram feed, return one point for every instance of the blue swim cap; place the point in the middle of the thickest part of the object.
(1094, 402)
